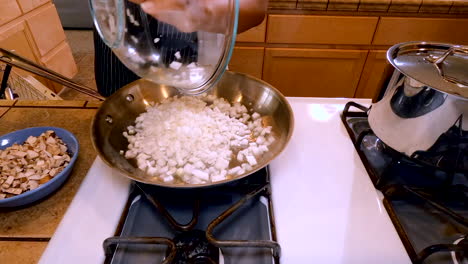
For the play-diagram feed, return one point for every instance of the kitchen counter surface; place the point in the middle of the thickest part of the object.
(339, 203)
(351, 217)
(25, 232)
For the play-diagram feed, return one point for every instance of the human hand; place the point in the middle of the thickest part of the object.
(204, 15)
(189, 15)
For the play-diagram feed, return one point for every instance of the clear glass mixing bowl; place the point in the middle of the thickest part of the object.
(192, 62)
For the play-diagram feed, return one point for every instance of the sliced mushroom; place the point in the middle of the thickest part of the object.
(33, 185)
(13, 191)
(51, 140)
(53, 172)
(15, 183)
(27, 166)
(32, 154)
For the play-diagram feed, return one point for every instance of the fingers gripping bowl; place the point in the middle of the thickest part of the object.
(121, 109)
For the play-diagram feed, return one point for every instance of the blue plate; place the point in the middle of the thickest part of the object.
(19, 137)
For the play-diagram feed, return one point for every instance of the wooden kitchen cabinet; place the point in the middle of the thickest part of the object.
(314, 72)
(61, 60)
(15, 38)
(247, 60)
(343, 54)
(375, 72)
(18, 39)
(393, 30)
(9, 10)
(37, 34)
(46, 29)
(28, 5)
(301, 29)
(255, 34)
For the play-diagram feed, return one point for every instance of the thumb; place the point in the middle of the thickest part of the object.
(149, 7)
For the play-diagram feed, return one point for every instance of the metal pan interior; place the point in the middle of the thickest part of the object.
(122, 108)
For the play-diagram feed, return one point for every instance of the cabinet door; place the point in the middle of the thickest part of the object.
(374, 74)
(61, 60)
(314, 72)
(46, 29)
(255, 34)
(9, 10)
(306, 29)
(247, 60)
(16, 38)
(28, 5)
(393, 30)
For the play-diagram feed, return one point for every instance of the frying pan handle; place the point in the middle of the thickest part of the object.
(438, 61)
(15, 60)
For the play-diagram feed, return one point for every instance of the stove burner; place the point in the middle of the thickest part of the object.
(193, 248)
(150, 231)
(425, 195)
(445, 164)
(449, 153)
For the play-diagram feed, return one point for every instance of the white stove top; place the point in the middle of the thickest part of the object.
(326, 208)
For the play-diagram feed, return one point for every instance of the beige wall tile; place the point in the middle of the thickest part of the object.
(285, 4)
(374, 5)
(459, 7)
(343, 5)
(312, 4)
(410, 6)
(436, 6)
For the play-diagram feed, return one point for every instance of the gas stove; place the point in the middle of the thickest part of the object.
(425, 195)
(232, 223)
(326, 209)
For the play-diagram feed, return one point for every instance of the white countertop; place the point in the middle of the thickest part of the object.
(326, 208)
(92, 216)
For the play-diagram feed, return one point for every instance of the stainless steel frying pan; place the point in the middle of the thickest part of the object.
(121, 109)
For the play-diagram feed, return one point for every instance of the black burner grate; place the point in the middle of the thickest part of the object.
(426, 195)
(190, 244)
(446, 163)
(429, 223)
(193, 247)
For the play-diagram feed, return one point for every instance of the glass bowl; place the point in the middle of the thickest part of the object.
(189, 61)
